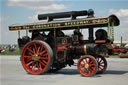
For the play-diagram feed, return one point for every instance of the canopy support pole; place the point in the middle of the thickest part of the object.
(26, 32)
(18, 34)
(112, 31)
(91, 38)
(109, 29)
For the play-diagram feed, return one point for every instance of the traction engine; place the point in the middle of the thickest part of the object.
(49, 49)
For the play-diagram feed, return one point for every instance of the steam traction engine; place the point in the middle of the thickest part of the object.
(50, 49)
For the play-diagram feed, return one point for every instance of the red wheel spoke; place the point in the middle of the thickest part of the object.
(33, 64)
(91, 62)
(27, 56)
(29, 67)
(37, 65)
(90, 69)
(45, 62)
(92, 65)
(44, 58)
(40, 66)
(42, 52)
(28, 59)
(83, 62)
(29, 63)
(41, 63)
(34, 51)
(88, 61)
(38, 50)
(45, 54)
(34, 67)
(35, 48)
(30, 53)
(30, 50)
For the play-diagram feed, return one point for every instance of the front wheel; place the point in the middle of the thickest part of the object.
(37, 57)
(87, 66)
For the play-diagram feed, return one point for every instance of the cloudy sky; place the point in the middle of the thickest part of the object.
(26, 11)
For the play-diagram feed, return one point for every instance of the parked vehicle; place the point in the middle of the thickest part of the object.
(119, 50)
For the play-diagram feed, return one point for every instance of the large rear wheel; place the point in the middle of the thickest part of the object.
(87, 66)
(37, 57)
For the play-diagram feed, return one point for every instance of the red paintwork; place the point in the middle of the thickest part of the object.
(61, 47)
(100, 41)
(31, 49)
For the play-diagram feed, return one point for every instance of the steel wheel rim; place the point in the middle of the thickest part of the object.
(102, 64)
(35, 57)
(87, 66)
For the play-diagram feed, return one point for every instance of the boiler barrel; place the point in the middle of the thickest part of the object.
(85, 49)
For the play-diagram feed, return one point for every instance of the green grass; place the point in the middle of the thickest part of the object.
(17, 52)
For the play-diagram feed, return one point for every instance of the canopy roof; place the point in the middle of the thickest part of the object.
(68, 24)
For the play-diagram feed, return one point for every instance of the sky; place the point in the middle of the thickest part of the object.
(26, 11)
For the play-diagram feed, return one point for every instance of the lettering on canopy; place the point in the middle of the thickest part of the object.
(61, 24)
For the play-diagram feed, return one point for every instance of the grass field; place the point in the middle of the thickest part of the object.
(16, 52)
